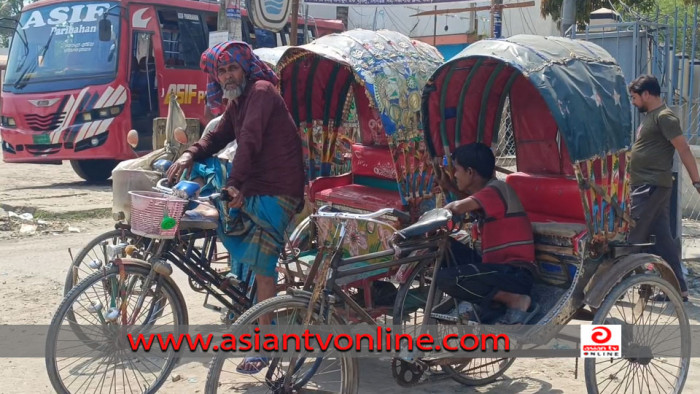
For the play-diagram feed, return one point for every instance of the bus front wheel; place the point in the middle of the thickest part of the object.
(94, 170)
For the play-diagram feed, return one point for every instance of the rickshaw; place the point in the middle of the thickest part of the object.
(570, 116)
(570, 120)
(355, 97)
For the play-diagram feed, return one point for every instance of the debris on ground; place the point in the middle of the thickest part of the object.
(25, 224)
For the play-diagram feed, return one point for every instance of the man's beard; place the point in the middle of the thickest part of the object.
(642, 109)
(232, 94)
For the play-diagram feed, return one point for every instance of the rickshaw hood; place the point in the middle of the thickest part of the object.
(582, 85)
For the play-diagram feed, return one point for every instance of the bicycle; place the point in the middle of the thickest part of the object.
(322, 301)
(132, 295)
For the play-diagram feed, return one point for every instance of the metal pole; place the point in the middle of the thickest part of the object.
(295, 22)
(435, 27)
(666, 71)
(635, 71)
(674, 60)
(568, 15)
(222, 21)
(691, 77)
(306, 24)
(682, 81)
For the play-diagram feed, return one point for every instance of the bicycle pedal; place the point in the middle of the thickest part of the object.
(444, 317)
(230, 281)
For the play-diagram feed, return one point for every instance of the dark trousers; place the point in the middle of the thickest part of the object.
(477, 282)
(651, 211)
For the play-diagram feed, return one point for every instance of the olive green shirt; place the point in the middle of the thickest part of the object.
(652, 152)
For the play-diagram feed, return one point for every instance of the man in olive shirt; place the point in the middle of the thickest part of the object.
(658, 136)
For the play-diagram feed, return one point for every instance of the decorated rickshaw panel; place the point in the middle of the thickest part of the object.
(389, 72)
(316, 91)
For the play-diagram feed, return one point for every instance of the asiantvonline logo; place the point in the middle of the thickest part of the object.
(603, 341)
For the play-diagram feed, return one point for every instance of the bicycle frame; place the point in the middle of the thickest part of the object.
(330, 268)
(196, 264)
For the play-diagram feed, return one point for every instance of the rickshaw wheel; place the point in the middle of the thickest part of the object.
(408, 308)
(478, 371)
(646, 328)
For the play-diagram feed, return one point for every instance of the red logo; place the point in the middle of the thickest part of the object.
(600, 341)
(601, 334)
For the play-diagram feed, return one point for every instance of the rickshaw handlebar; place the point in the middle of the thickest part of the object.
(327, 212)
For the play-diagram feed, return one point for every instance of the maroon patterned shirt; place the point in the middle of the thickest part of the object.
(268, 159)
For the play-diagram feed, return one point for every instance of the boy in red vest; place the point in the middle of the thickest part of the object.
(500, 272)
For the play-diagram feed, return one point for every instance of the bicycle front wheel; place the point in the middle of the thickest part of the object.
(96, 252)
(87, 347)
(332, 373)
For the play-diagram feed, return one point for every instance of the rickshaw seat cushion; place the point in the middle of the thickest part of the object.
(373, 162)
(361, 197)
(326, 183)
(548, 198)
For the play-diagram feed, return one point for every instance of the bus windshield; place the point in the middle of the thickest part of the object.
(56, 47)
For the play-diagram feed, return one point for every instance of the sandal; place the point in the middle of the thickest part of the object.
(516, 316)
(252, 365)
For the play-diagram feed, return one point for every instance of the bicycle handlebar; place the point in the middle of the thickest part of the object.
(160, 186)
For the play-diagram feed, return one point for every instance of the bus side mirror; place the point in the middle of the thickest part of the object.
(105, 30)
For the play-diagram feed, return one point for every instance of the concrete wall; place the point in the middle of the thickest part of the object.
(398, 18)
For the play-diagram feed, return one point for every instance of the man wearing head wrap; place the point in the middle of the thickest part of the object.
(267, 179)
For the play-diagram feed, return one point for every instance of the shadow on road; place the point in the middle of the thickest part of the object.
(80, 185)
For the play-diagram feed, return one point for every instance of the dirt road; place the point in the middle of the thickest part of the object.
(33, 269)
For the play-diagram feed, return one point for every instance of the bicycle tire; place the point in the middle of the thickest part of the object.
(167, 288)
(348, 370)
(455, 371)
(646, 282)
(88, 252)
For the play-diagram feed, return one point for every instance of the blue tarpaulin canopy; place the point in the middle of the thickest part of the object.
(558, 89)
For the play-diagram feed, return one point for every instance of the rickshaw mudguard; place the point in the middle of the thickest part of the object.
(125, 261)
(299, 232)
(612, 272)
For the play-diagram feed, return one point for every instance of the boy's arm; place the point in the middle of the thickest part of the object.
(463, 206)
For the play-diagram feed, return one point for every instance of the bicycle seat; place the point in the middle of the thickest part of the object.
(429, 221)
(201, 218)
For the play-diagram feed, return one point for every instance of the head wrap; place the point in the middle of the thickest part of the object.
(225, 53)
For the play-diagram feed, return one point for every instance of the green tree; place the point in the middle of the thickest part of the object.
(9, 9)
(552, 8)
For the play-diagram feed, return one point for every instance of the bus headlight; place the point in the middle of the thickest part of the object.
(7, 121)
(98, 114)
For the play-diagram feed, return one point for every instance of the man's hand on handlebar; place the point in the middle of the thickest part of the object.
(184, 163)
(235, 198)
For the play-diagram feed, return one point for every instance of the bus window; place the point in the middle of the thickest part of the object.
(184, 39)
(143, 87)
(210, 19)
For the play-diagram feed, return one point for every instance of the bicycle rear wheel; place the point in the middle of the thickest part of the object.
(87, 349)
(332, 373)
(659, 330)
